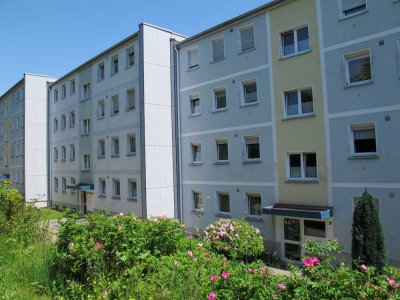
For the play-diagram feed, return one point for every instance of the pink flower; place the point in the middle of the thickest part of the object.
(215, 238)
(281, 287)
(99, 244)
(257, 231)
(212, 226)
(213, 278)
(199, 245)
(391, 281)
(212, 296)
(71, 244)
(190, 253)
(311, 262)
(225, 275)
(363, 268)
(103, 251)
(250, 270)
(393, 287)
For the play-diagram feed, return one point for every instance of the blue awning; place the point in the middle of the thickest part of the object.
(299, 211)
(86, 187)
(2, 177)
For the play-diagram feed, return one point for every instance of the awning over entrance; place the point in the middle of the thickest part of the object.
(4, 177)
(299, 211)
(86, 187)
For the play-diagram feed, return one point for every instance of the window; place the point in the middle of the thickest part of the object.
(249, 92)
(352, 7)
(130, 57)
(64, 184)
(254, 204)
(72, 182)
(222, 150)
(132, 189)
(295, 41)
(219, 99)
(100, 72)
(101, 151)
(55, 96)
(63, 153)
(55, 184)
(116, 188)
(131, 144)
(130, 99)
(114, 65)
(223, 202)
(299, 103)
(63, 91)
(195, 109)
(12, 151)
(302, 166)
(193, 58)
(55, 153)
(218, 50)
(86, 162)
(55, 124)
(114, 105)
(358, 67)
(252, 148)
(102, 187)
(246, 38)
(292, 237)
(363, 139)
(115, 146)
(198, 201)
(63, 122)
(72, 119)
(72, 87)
(100, 109)
(314, 228)
(196, 153)
(72, 152)
(86, 92)
(86, 126)
(16, 150)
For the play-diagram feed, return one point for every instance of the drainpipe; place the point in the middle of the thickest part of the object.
(49, 198)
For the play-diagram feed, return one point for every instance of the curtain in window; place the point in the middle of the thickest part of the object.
(288, 43)
(364, 134)
(350, 4)
(291, 104)
(303, 42)
(247, 38)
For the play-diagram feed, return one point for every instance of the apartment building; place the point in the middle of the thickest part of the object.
(23, 135)
(360, 60)
(110, 145)
(285, 114)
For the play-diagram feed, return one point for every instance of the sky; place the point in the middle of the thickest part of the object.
(52, 37)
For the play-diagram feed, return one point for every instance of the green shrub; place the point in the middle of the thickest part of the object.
(235, 239)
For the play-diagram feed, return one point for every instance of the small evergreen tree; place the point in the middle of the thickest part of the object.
(368, 242)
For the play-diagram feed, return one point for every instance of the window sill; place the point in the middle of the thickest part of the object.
(217, 61)
(247, 50)
(130, 109)
(257, 219)
(85, 170)
(248, 104)
(84, 134)
(72, 159)
(101, 196)
(114, 74)
(294, 55)
(194, 115)
(221, 163)
(364, 156)
(249, 162)
(304, 116)
(100, 118)
(219, 110)
(84, 99)
(131, 154)
(100, 80)
(115, 114)
(193, 68)
(223, 215)
(301, 180)
(360, 83)
(116, 197)
(129, 66)
(343, 17)
(115, 155)
(197, 212)
(132, 199)
(196, 163)
(101, 157)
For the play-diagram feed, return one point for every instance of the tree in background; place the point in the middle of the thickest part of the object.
(368, 242)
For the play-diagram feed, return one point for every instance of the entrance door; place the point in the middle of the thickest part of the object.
(84, 202)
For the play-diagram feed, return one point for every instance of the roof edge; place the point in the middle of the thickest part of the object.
(163, 29)
(12, 88)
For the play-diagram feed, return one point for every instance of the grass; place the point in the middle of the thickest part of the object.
(23, 270)
(50, 214)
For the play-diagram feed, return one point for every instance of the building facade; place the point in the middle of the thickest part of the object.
(23, 136)
(111, 136)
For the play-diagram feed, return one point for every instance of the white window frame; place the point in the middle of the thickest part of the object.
(302, 166)
(101, 148)
(296, 42)
(299, 103)
(240, 30)
(102, 189)
(55, 124)
(63, 184)
(114, 71)
(101, 71)
(218, 202)
(86, 162)
(129, 137)
(72, 152)
(221, 142)
(72, 87)
(192, 153)
(115, 146)
(72, 119)
(128, 107)
(132, 193)
(55, 183)
(63, 91)
(243, 85)
(360, 126)
(63, 122)
(353, 56)
(356, 13)
(189, 51)
(101, 109)
(216, 39)
(247, 196)
(55, 153)
(201, 197)
(129, 51)
(246, 140)
(72, 182)
(114, 188)
(63, 153)
(86, 91)
(192, 97)
(86, 126)
(214, 97)
(55, 95)
(112, 111)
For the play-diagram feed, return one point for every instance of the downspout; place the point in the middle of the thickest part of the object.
(49, 196)
(178, 136)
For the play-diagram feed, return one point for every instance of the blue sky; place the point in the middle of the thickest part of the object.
(52, 37)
